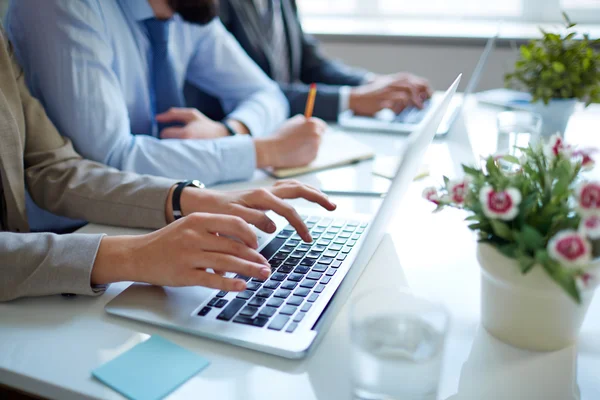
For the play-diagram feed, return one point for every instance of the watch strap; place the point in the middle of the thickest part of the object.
(229, 128)
(176, 201)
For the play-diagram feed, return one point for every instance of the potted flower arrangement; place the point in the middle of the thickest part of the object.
(558, 70)
(538, 223)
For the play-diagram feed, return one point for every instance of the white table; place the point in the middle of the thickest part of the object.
(48, 346)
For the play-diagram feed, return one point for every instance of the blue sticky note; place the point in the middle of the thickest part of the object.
(150, 370)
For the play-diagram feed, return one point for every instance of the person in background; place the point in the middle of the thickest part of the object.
(271, 33)
(111, 73)
(196, 249)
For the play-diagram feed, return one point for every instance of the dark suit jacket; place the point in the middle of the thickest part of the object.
(307, 63)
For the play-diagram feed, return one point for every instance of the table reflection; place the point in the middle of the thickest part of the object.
(497, 371)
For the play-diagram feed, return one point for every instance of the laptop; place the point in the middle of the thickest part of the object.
(287, 314)
(412, 118)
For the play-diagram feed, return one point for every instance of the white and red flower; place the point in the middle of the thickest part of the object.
(432, 194)
(458, 190)
(588, 195)
(585, 155)
(502, 205)
(570, 248)
(556, 146)
(590, 226)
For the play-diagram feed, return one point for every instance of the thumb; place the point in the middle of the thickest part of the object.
(174, 132)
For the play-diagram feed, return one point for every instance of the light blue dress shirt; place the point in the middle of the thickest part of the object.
(88, 63)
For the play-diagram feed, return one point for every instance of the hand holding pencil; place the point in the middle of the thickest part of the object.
(296, 142)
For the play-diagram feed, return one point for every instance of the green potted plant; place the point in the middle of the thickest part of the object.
(538, 223)
(558, 70)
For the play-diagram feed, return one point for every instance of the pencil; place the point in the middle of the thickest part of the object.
(310, 101)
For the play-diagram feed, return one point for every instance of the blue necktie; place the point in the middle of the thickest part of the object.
(166, 92)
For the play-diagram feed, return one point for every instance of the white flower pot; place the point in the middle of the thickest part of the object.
(527, 311)
(555, 115)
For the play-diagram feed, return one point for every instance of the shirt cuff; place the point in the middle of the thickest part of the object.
(369, 76)
(74, 258)
(238, 158)
(344, 99)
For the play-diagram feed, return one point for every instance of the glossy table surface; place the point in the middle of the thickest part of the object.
(48, 346)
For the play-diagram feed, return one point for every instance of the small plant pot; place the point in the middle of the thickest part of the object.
(555, 115)
(527, 311)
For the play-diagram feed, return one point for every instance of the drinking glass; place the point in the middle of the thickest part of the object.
(397, 345)
(517, 129)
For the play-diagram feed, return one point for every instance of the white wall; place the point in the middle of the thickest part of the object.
(438, 62)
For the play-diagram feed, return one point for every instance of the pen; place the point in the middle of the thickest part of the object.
(353, 193)
(310, 101)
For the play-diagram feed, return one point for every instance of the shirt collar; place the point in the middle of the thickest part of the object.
(139, 9)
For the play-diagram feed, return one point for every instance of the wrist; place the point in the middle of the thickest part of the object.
(178, 199)
(197, 200)
(114, 261)
(353, 99)
(239, 127)
(264, 153)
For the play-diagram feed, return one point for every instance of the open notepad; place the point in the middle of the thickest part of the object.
(337, 149)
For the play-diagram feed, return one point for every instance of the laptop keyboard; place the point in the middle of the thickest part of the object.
(412, 115)
(300, 272)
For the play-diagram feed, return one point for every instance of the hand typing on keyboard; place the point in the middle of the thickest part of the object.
(251, 205)
(200, 248)
(395, 91)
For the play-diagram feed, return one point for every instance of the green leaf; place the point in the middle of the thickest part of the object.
(478, 226)
(525, 262)
(558, 67)
(446, 181)
(472, 171)
(525, 53)
(501, 230)
(563, 278)
(511, 159)
(533, 240)
(509, 250)
(473, 218)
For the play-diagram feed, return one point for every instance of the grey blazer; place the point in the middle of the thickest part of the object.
(33, 153)
(307, 63)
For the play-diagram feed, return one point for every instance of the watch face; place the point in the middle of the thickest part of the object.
(198, 184)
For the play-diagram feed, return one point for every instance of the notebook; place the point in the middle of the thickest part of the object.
(150, 370)
(337, 149)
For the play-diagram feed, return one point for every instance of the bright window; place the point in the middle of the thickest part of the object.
(585, 11)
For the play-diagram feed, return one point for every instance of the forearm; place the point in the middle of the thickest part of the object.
(263, 112)
(76, 188)
(113, 262)
(37, 264)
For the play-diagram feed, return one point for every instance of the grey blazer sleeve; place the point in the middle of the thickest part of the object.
(327, 102)
(37, 264)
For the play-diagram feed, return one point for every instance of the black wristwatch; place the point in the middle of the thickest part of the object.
(176, 202)
(229, 128)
